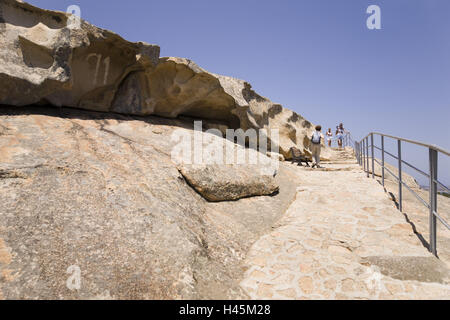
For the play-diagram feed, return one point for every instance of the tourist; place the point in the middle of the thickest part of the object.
(340, 134)
(329, 137)
(316, 141)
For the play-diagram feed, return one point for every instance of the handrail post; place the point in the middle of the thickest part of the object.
(400, 182)
(382, 159)
(363, 147)
(361, 152)
(358, 147)
(367, 154)
(433, 199)
(373, 157)
(357, 151)
(360, 155)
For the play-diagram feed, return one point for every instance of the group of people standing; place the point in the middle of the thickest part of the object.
(340, 134)
(316, 141)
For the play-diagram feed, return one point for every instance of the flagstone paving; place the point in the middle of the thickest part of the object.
(343, 238)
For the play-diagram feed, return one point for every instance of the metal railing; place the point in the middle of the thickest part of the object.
(366, 161)
(347, 140)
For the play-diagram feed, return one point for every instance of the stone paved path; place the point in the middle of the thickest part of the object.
(343, 238)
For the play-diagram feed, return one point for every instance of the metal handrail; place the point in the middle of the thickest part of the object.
(441, 220)
(362, 154)
(412, 167)
(432, 146)
(403, 161)
(348, 140)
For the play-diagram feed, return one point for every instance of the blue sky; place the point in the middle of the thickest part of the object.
(316, 57)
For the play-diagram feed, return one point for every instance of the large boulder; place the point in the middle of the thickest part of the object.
(221, 170)
(46, 58)
(101, 192)
(229, 182)
(178, 86)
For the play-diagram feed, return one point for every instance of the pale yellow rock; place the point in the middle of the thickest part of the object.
(281, 267)
(338, 270)
(361, 286)
(265, 291)
(284, 279)
(309, 253)
(305, 268)
(258, 261)
(323, 273)
(313, 243)
(289, 293)
(394, 288)
(295, 248)
(347, 285)
(330, 284)
(369, 209)
(340, 296)
(338, 250)
(386, 296)
(5, 256)
(258, 274)
(325, 295)
(408, 287)
(286, 258)
(306, 284)
(341, 259)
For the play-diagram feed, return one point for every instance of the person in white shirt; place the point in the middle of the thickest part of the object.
(340, 132)
(329, 137)
(316, 146)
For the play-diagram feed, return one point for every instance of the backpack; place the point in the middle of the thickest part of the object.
(316, 138)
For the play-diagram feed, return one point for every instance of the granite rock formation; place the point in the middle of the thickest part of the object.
(47, 59)
(88, 179)
(101, 192)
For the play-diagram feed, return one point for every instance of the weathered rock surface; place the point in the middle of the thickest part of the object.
(229, 182)
(103, 191)
(419, 214)
(180, 87)
(343, 238)
(100, 191)
(46, 59)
